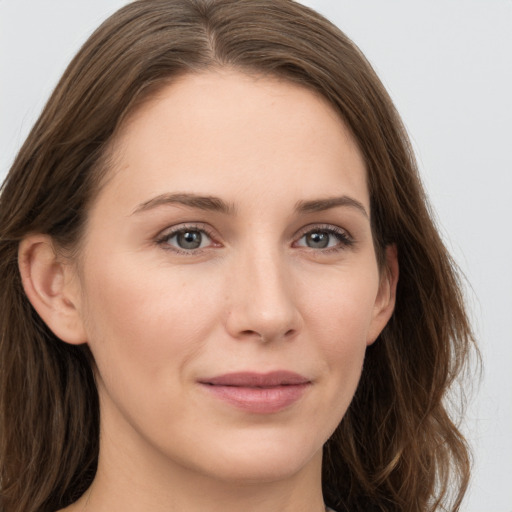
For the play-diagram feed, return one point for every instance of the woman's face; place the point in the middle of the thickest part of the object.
(228, 279)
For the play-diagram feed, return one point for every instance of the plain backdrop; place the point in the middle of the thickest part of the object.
(448, 66)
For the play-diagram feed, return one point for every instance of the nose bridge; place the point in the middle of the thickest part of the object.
(262, 302)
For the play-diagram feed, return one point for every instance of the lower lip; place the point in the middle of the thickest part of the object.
(259, 400)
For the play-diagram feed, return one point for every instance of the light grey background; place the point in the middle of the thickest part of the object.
(448, 67)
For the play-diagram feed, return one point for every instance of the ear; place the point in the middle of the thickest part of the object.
(51, 287)
(386, 295)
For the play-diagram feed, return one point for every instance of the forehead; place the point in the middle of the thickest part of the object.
(226, 133)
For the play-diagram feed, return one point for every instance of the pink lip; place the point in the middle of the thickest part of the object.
(262, 393)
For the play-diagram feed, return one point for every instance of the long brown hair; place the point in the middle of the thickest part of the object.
(396, 449)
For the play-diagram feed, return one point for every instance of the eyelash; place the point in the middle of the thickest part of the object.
(163, 239)
(344, 239)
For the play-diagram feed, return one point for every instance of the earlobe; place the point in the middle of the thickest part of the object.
(386, 296)
(49, 285)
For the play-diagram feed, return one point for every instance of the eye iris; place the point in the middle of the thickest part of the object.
(189, 239)
(317, 239)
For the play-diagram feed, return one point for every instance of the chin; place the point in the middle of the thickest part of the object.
(262, 460)
(261, 470)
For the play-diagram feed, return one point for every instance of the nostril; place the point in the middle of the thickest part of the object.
(248, 332)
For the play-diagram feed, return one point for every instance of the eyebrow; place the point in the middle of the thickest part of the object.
(208, 203)
(215, 204)
(320, 205)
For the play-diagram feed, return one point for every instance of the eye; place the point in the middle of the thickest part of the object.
(325, 238)
(185, 239)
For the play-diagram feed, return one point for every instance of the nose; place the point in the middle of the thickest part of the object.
(261, 300)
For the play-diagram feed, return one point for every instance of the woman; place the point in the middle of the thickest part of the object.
(221, 285)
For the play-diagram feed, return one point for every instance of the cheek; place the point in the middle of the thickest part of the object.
(341, 303)
(339, 316)
(146, 321)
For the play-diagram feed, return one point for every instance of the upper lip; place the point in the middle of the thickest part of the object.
(256, 379)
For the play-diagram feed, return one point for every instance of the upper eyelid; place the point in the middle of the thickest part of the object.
(172, 231)
(212, 233)
(322, 226)
(197, 226)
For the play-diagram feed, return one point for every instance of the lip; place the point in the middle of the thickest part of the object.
(261, 393)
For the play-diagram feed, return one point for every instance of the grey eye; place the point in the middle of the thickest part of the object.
(325, 238)
(189, 239)
(317, 239)
(185, 239)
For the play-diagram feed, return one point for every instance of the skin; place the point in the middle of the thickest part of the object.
(256, 296)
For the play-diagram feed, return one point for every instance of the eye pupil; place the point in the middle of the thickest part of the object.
(317, 239)
(189, 239)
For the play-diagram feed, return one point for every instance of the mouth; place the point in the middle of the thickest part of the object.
(262, 393)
